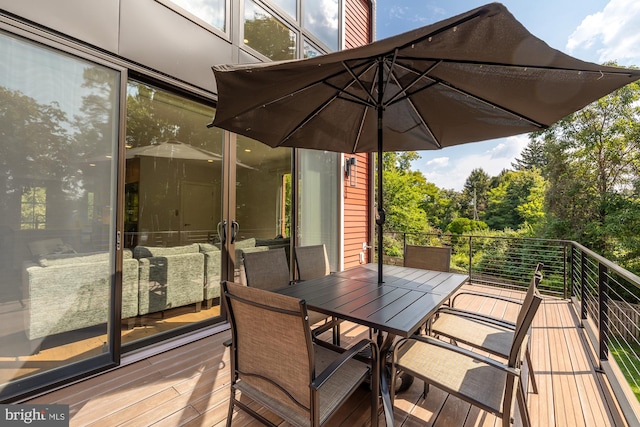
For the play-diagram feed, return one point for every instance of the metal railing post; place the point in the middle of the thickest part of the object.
(583, 287)
(470, 256)
(603, 312)
(564, 271)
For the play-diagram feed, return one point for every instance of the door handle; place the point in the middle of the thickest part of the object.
(234, 231)
(222, 231)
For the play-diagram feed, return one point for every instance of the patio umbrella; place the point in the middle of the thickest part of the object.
(172, 149)
(477, 76)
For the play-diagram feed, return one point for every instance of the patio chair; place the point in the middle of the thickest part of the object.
(275, 362)
(484, 332)
(436, 258)
(538, 270)
(483, 382)
(269, 270)
(312, 262)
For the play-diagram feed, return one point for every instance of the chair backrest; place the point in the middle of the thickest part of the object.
(526, 314)
(312, 261)
(533, 286)
(428, 257)
(267, 270)
(272, 350)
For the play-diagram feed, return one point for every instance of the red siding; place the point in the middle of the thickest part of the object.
(357, 23)
(357, 225)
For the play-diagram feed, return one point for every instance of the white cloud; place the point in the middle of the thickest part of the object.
(438, 162)
(612, 33)
(451, 172)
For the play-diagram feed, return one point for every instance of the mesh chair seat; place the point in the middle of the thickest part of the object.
(334, 391)
(472, 377)
(484, 332)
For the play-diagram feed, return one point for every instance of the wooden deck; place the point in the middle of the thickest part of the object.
(188, 386)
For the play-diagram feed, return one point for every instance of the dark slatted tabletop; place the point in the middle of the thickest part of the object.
(399, 306)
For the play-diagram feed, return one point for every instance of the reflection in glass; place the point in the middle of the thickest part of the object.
(288, 6)
(58, 121)
(210, 11)
(266, 34)
(321, 18)
(263, 199)
(318, 209)
(172, 208)
(310, 51)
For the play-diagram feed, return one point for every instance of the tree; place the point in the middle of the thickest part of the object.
(474, 194)
(516, 201)
(533, 155)
(36, 147)
(441, 206)
(466, 226)
(404, 192)
(593, 163)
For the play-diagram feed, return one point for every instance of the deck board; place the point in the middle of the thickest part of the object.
(188, 386)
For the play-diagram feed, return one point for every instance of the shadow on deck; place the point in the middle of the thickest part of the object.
(188, 386)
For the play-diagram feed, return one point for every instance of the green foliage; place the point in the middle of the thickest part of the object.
(466, 226)
(593, 163)
(517, 201)
(474, 195)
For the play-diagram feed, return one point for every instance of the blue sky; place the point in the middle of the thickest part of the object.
(591, 30)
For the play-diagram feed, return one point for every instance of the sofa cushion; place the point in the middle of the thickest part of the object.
(150, 251)
(67, 259)
(88, 258)
(44, 247)
(247, 243)
(208, 247)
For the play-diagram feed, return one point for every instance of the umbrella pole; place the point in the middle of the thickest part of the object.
(381, 214)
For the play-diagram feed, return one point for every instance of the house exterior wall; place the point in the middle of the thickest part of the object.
(150, 41)
(357, 203)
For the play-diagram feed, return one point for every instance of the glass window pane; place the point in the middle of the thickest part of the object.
(310, 51)
(266, 34)
(210, 11)
(321, 19)
(172, 209)
(59, 127)
(263, 199)
(318, 210)
(288, 6)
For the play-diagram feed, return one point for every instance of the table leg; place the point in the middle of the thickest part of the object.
(384, 344)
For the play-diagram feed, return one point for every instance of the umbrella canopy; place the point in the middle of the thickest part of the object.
(172, 149)
(477, 76)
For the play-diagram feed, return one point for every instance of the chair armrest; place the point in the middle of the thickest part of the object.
(485, 295)
(476, 356)
(477, 316)
(348, 354)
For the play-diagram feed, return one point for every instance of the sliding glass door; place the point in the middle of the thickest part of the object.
(173, 206)
(59, 123)
(261, 214)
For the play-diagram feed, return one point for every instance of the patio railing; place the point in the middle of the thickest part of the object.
(606, 297)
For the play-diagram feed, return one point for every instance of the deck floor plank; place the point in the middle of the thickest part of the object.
(189, 386)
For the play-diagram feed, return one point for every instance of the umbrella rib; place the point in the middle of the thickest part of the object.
(356, 79)
(512, 65)
(403, 90)
(415, 110)
(307, 119)
(441, 82)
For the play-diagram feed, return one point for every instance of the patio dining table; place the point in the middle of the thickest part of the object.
(399, 306)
